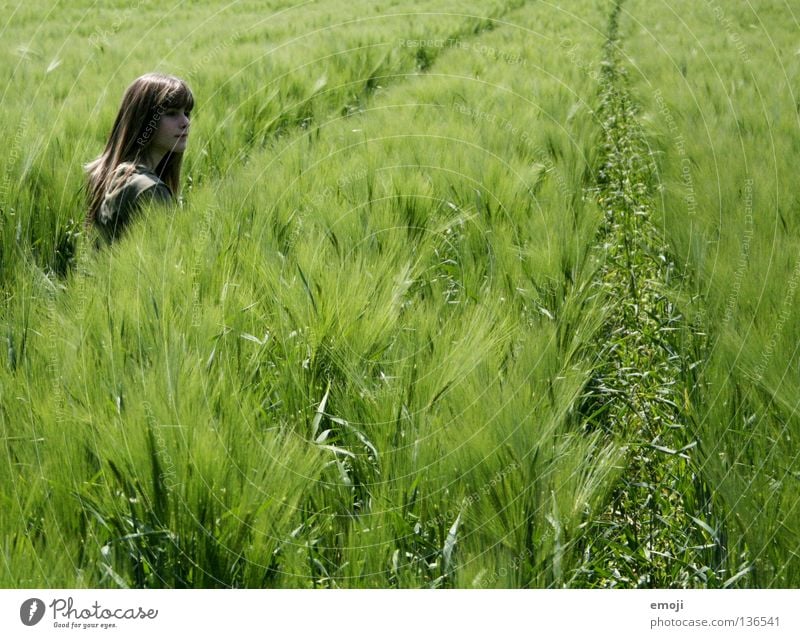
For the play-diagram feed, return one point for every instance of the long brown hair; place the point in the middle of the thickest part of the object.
(143, 104)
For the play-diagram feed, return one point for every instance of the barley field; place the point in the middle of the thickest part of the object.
(476, 294)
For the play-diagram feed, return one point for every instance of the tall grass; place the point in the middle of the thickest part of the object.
(361, 353)
(352, 359)
(722, 112)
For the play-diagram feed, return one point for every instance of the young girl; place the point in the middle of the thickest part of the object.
(142, 159)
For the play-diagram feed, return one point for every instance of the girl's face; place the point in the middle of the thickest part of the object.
(172, 132)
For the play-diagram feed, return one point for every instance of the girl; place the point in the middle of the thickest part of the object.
(142, 159)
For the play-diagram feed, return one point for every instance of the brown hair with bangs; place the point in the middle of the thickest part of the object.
(143, 104)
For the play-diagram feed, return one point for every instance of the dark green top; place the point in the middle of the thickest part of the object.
(131, 187)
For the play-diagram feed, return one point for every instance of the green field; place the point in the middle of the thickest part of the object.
(492, 294)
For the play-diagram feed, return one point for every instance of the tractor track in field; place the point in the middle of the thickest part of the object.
(294, 119)
(658, 528)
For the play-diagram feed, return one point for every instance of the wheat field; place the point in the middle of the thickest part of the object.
(492, 294)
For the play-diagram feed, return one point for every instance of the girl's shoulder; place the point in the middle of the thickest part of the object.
(135, 179)
(131, 185)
